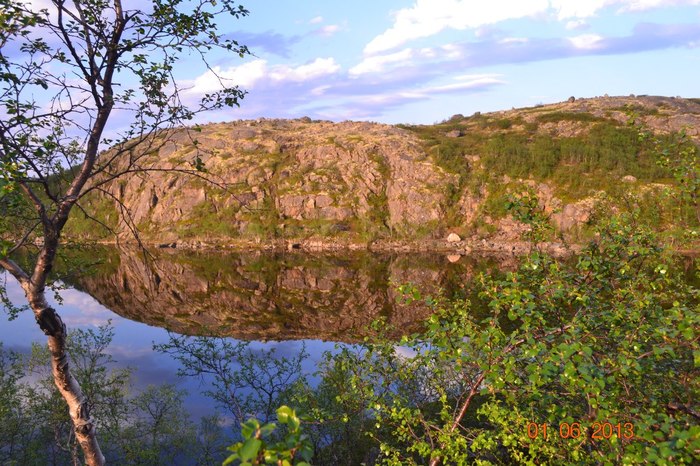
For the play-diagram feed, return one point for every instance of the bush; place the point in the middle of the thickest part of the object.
(601, 351)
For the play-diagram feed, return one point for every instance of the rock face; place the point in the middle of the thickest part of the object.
(282, 172)
(574, 214)
(357, 183)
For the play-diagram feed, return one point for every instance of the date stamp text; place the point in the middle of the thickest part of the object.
(573, 430)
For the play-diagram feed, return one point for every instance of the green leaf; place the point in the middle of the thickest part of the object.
(284, 413)
(249, 450)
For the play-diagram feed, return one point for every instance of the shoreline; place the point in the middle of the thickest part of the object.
(463, 247)
(441, 246)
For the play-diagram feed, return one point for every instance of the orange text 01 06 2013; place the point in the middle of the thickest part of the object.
(573, 430)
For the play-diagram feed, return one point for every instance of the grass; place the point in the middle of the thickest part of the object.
(381, 164)
(641, 110)
(555, 117)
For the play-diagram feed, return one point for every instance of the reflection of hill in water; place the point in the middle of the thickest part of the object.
(264, 296)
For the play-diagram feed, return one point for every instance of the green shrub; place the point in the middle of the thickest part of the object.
(554, 117)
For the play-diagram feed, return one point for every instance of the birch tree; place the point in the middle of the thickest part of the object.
(78, 77)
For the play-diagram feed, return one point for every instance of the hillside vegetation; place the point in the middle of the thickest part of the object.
(280, 181)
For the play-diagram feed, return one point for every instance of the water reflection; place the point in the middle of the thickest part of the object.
(272, 296)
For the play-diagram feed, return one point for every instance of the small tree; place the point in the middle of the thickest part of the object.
(65, 71)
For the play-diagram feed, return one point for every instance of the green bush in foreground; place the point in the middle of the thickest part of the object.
(601, 351)
(256, 448)
(604, 352)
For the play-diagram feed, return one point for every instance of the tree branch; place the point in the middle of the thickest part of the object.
(16, 271)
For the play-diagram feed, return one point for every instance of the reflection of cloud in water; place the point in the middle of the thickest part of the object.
(82, 310)
(121, 352)
(77, 309)
(14, 291)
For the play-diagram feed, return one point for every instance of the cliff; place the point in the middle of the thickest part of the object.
(306, 182)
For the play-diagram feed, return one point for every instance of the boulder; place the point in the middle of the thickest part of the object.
(453, 238)
(575, 214)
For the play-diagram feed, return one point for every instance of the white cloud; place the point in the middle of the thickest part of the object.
(37, 5)
(316, 20)
(452, 51)
(457, 87)
(245, 75)
(513, 40)
(329, 30)
(378, 63)
(567, 9)
(586, 41)
(256, 72)
(641, 5)
(320, 90)
(317, 68)
(427, 52)
(429, 17)
(469, 81)
(466, 82)
(576, 24)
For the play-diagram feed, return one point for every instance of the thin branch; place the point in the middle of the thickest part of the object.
(16, 271)
(38, 205)
(20, 243)
(128, 221)
(96, 220)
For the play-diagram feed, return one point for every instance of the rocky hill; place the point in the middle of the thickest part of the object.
(352, 184)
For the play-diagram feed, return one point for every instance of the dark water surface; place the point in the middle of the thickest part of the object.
(274, 300)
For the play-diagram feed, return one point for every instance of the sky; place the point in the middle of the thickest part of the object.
(422, 61)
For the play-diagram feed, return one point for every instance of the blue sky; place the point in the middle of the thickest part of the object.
(422, 61)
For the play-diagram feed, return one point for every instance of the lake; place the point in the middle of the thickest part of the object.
(280, 301)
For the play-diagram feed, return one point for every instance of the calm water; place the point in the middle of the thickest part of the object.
(280, 301)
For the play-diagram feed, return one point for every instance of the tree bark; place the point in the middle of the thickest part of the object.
(85, 430)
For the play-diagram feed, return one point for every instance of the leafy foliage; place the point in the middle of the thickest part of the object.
(554, 117)
(680, 156)
(256, 448)
(610, 337)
